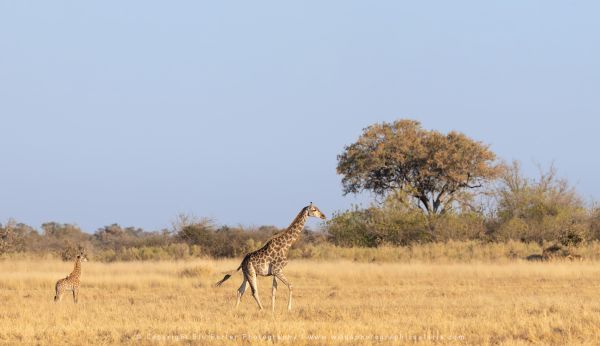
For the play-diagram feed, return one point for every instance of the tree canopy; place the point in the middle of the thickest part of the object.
(431, 168)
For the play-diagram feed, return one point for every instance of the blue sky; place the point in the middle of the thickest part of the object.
(132, 112)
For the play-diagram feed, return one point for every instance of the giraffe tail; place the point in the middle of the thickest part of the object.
(227, 276)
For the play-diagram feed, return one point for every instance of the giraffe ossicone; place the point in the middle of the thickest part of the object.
(271, 259)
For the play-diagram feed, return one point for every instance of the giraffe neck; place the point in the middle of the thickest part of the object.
(77, 270)
(292, 233)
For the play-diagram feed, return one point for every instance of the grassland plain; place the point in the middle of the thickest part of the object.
(335, 302)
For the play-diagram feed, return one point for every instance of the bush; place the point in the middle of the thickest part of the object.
(350, 228)
(11, 238)
(547, 209)
(115, 237)
(225, 241)
(399, 224)
(594, 223)
(460, 227)
(70, 252)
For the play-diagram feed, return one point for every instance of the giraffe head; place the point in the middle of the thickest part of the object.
(314, 211)
(82, 257)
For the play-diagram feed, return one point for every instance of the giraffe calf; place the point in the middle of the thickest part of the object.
(71, 282)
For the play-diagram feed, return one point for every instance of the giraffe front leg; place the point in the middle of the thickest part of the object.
(285, 281)
(273, 293)
(75, 294)
(241, 291)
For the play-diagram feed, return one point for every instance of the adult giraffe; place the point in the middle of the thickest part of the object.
(272, 258)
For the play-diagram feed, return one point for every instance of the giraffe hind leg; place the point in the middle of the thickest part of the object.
(254, 287)
(241, 291)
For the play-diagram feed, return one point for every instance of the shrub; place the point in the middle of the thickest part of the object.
(397, 223)
(460, 227)
(350, 228)
(546, 209)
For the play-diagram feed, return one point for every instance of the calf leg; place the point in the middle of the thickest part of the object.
(58, 293)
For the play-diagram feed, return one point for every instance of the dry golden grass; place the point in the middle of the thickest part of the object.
(174, 302)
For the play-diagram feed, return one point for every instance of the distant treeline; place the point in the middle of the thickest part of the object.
(190, 237)
(539, 211)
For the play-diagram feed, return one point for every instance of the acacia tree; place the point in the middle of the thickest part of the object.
(433, 169)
